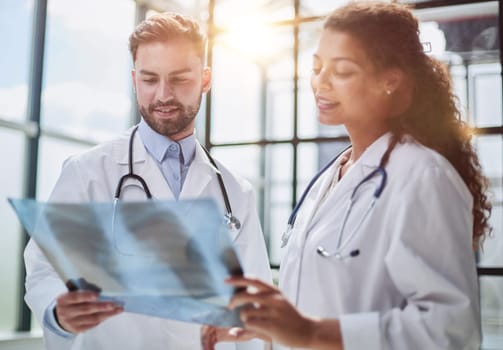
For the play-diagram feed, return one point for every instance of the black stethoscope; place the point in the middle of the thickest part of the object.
(337, 253)
(232, 222)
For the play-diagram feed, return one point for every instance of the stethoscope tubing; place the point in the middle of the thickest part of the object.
(340, 243)
(131, 174)
(293, 215)
(232, 220)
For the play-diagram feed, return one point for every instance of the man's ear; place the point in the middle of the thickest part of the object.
(206, 84)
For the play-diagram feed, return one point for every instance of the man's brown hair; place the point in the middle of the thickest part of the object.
(167, 26)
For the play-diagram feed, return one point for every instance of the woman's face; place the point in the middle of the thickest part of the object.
(346, 85)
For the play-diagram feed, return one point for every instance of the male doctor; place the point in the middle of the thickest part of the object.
(169, 78)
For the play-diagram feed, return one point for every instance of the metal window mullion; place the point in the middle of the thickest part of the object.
(31, 167)
(209, 62)
(140, 15)
(295, 103)
(263, 171)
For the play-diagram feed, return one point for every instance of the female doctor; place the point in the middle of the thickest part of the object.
(381, 250)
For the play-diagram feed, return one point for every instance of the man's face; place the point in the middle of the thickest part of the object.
(169, 79)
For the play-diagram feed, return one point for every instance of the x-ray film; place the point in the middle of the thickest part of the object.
(162, 258)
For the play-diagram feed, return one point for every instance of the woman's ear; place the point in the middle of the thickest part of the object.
(398, 89)
(392, 80)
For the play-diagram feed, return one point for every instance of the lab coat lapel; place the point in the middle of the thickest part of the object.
(314, 198)
(199, 176)
(368, 161)
(371, 158)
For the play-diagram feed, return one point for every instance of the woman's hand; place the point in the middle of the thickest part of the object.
(267, 312)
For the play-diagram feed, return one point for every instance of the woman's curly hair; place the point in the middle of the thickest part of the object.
(389, 33)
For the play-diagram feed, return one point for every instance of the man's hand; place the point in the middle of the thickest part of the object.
(80, 311)
(211, 335)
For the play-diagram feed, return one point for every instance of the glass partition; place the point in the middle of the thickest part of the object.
(52, 153)
(15, 17)
(12, 147)
(87, 80)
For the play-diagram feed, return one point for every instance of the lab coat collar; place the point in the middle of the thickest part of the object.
(201, 171)
(201, 157)
(371, 157)
(121, 149)
(368, 161)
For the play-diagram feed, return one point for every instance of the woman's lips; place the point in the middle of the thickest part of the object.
(324, 104)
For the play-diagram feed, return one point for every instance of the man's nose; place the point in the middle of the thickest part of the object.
(164, 92)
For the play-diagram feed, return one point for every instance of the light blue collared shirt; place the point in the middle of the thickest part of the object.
(172, 158)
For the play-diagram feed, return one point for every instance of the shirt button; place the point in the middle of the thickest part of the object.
(173, 148)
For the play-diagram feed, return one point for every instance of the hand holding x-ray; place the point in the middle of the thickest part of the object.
(162, 258)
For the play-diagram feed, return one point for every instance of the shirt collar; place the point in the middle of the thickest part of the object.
(158, 145)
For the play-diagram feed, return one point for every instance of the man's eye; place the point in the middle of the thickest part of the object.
(179, 80)
(316, 70)
(149, 81)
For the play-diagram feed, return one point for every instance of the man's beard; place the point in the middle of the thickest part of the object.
(172, 126)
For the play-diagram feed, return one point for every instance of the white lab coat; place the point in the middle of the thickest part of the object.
(93, 176)
(414, 284)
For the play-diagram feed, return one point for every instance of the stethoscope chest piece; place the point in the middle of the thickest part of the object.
(232, 222)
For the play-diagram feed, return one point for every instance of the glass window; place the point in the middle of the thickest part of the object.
(308, 39)
(491, 311)
(319, 7)
(236, 97)
(308, 165)
(490, 151)
(469, 45)
(279, 110)
(277, 201)
(12, 147)
(196, 8)
(15, 38)
(252, 67)
(230, 12)
(242, 160)
(485, 94)
(279, 98)
(87, 81)
(52, 153)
